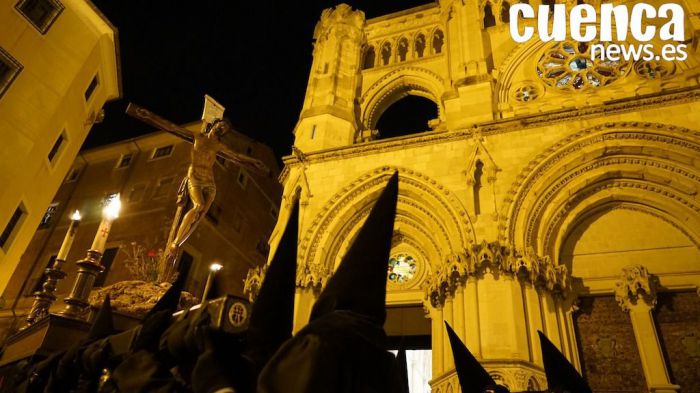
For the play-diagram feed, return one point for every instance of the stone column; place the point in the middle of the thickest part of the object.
(636, 294)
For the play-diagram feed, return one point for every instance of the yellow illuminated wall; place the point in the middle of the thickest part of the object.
(64, 68)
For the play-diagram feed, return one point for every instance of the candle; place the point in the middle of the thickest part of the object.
(213, 269)
(109, 214)
(70, 235)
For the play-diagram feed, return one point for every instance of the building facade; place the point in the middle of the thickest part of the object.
(58, 67)
(552, 192)
(146, 172)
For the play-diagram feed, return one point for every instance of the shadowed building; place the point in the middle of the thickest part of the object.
(58, 67)
(147, 172)
(547, 192)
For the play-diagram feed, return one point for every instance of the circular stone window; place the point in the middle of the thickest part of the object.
(568, 66)
(402, 268)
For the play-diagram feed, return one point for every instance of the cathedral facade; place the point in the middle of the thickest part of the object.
(552, 192)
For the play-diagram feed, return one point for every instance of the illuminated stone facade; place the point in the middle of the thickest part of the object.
(146, 172)
(527, 197)
(58, 67)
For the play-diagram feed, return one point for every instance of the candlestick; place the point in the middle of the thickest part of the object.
(77, 301)
(44, 299)
(213, 269)
(109, 214)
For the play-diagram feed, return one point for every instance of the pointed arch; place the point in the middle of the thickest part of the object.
(396, 85)
(429, 218)
(648, 166)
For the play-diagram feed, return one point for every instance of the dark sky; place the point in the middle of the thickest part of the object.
(252, 56)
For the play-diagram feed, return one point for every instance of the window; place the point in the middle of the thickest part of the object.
(106, 261)
(221, 161)
(386, 53)
(438, 41)
(478, 172)
(91, 87)
(214, 213)
(56, 147)
(125, 160)
(163, 186)
(9, 69)
(420, 45)
(11, 226)
(402, 49)
(73, 175)
(163, 151)
(489, 19)
(368, 61)
(505, 12)
(242, 179)
(48, 216)
(40, 13)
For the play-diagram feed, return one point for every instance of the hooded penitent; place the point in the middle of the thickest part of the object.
(142, 369)
(562, 376)
(273, 311)
(270, 324)
(473, 378)
(342, 349)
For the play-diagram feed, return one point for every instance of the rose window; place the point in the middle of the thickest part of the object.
(402, 268)
(568, 66)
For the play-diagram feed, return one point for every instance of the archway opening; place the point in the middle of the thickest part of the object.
(408, 115)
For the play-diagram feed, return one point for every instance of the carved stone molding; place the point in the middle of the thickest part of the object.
(519, 124)
(498, 259)
(553, 159)
(636, 283)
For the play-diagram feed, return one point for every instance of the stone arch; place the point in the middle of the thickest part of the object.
(395, 85)
(429, 218)
(419, 45)
(650, 167)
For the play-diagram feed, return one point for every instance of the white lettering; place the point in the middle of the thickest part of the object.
(578, 20)
(528, 13)
(677, 22)
(638, 32)
(621, 21)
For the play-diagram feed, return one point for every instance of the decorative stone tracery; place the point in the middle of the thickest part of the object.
(497, 259)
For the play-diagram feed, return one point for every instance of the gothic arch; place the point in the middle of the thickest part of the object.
(643, 166)
(396, 85)
(429, 219)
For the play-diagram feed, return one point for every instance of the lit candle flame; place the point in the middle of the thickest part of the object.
(76, 216)
(215, 267)
(111, 210)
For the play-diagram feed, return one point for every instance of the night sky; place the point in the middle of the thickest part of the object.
(252, 56)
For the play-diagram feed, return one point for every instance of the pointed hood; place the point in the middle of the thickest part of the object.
(400, 383)
(472, 377)
(104, 324)
(170, 299)
(359, 284)
(273, 311)
(561, 375)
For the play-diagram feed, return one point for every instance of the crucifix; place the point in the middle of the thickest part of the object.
(213, 139)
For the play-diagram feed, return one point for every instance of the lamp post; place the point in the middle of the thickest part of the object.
(44, 299)
(213, 269)
(77, 301)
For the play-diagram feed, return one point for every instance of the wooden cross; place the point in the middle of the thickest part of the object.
(161, 123)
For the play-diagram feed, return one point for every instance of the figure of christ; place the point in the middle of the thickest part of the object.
(198, 186)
